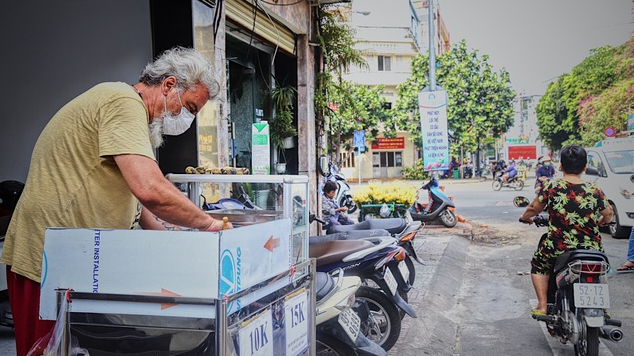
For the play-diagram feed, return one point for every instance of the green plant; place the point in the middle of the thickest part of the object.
(281, 126)
(416, 172)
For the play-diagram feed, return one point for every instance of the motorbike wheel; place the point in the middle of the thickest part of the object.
(329, 346)
(448, 218)
(383, 325)
(519, 185)
(588, 346)
(497, 184)
(348, 202)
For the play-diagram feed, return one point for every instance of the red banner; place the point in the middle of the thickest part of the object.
(523, 152)
(389, 143)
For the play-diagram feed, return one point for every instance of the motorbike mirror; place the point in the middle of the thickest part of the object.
(323, 165)
(521, 202)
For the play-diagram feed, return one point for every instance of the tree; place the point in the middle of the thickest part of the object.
(611, 107)
(552, 113)
(558, 112)
(480, 100)
(357, 107)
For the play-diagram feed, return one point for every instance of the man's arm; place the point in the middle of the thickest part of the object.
(159, 196)
(533, 209)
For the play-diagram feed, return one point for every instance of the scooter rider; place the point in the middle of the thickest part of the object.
(545, 171)
(576, 210)
(509, 172)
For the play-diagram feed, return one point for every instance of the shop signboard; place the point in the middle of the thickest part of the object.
(433, 122)
(387, 143)
(260, 148)
(522, 152)
(190, 264)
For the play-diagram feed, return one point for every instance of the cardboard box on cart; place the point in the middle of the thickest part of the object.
(190, 264)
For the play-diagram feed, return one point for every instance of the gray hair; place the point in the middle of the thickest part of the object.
(187, 65)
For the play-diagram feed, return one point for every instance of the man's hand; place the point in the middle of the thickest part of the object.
(217, 225)
(528, 221)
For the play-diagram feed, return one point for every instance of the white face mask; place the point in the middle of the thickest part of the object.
(174, 125)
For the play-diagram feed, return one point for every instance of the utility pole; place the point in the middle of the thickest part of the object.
(432, 47)
(432, 58)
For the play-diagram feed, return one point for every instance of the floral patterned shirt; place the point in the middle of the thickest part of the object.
(574, 211)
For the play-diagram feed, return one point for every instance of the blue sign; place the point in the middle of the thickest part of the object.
(630, 119)
(359, 138)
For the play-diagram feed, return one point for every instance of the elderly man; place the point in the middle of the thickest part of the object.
(93, 166)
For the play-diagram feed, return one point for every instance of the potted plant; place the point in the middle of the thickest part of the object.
(281, 127)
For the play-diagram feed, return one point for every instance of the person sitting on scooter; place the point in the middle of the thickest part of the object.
(545, 171)
(331, 212)
(576, 210)
(509, 172)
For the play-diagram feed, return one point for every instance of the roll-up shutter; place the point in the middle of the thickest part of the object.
(241, 13)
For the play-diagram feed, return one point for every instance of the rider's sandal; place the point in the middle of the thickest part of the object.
(537, 313)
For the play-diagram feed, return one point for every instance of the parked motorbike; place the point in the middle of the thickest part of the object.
(10, 192)
(338, 327)
(578, 298)
(438, 206)
(378, 308)
(404, 230)
(516, 183)
(343, 197)
(468, 171)
(403, 271)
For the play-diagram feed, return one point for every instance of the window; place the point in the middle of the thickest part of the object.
(387, 159)
(385, 63)
(347, 159)
(595, 161)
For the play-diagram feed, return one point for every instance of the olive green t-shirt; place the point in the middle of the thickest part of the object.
(73, 179)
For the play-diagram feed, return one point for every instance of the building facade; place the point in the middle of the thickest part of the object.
(390, 34)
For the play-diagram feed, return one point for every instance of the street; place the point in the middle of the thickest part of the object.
(479, 299)
(473, 297)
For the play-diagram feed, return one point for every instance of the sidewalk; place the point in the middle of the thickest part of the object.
(444, 255)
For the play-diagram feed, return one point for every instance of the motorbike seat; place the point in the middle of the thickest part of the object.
(333, 251)
(323, 284)
(348, 235)
(392, 225)
(587, 255)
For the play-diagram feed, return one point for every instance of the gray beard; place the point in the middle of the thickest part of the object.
(156, 133)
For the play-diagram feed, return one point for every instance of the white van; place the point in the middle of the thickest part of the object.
(611, 167)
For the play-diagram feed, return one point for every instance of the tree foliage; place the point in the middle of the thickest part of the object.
(357, 107)
(480, 100)
(557, 113)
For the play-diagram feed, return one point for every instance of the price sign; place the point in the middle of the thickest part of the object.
(256, 337)
(296, 319)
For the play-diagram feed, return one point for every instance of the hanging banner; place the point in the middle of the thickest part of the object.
(260, 148)
(433, 123)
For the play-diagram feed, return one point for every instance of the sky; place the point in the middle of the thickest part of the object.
(537, 40)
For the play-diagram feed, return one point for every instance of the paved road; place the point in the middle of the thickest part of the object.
(478, 298)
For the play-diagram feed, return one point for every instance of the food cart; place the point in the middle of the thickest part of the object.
(244, 291)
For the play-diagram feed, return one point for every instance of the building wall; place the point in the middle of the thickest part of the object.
(55, 50)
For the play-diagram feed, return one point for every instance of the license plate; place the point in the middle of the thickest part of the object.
(591, 295)
(402, 267)
(392, 284)
(351, 323)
